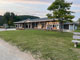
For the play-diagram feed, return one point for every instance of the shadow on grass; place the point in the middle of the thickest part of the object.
(78, 46)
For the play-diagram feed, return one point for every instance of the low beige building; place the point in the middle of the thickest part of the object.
(37, 24)
(48, 24)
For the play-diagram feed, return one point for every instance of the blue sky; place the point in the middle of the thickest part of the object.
(34, 7)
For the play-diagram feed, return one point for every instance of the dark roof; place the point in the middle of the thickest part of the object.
(42, 20)
(71, 23)
(35, 20)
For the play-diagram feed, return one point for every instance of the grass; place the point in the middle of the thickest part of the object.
(77, 30)
(46, 45)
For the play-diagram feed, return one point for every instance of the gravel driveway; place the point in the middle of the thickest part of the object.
(8, 52)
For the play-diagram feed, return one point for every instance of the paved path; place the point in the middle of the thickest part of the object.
(8, 52)
(2, 29)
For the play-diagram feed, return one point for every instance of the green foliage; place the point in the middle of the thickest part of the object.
(60, 10)
(79, 23)
(10, 17)
(23, 17)
(50, 16)
(1, 20)
(49, 45)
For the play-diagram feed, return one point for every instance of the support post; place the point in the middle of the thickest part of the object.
(44, 25)
(19, 25)
(35, 24)
(73, 27)
(24, 25)
(31, 25)
(69, 27)
(75, 44)
(28, 25)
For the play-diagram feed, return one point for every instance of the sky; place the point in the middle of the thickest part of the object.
(34, 7)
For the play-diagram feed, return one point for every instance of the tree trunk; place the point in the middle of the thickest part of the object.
(61, 26)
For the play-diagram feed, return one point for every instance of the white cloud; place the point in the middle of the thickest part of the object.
(9, 5)
(76, 5)
(2, 11)
(76, 11)
(24, 1)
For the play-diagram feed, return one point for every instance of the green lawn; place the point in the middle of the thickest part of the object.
(77, 31)
(44, 44)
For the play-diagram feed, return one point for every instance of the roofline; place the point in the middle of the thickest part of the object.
(28, 21)
(72, 23)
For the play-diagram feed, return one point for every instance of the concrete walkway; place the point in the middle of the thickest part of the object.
(8, 52)
(11, 29)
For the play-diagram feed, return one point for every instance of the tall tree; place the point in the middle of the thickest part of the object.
(9, 18)
(12, 18)
(6, 17)
(60, 10)
(79, 23)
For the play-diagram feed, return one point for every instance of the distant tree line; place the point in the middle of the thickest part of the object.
(10, 17)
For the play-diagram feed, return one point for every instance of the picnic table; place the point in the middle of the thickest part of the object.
(76, 38)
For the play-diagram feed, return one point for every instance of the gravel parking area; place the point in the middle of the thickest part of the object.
(8, 52)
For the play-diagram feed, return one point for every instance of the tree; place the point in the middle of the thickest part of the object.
(12, 18)
(6, 17)
(9, 18)
(79, 23)
(60, 10)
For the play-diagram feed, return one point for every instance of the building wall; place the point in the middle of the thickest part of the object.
(40, 25)
(76, 27)
(71, 27)
(53, 25)
(45, 25)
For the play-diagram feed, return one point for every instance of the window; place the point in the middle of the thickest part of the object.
(16, 26)
(66, 26)
(54, 25)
